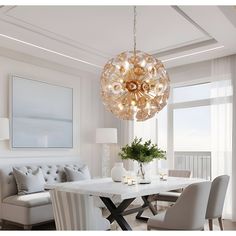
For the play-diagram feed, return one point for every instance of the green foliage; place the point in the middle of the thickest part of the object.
(141, 152)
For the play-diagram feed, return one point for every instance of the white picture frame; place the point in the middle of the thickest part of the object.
(41, 114)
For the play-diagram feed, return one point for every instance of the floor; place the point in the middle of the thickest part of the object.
(135, 224)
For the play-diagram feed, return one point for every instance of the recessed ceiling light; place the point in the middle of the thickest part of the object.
(192, 54)
(92, 64)
(49, 50)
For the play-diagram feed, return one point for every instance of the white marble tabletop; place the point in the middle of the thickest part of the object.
(117, 191)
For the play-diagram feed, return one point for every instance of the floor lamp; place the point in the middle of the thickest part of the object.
(106, 136)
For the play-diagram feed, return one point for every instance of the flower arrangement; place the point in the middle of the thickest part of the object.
(142, 153)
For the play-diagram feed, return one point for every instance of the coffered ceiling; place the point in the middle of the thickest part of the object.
(85, 37)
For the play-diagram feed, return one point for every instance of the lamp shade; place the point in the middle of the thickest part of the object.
(4, 129)
(106, 135)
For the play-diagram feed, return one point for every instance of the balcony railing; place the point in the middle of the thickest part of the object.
(198, 162)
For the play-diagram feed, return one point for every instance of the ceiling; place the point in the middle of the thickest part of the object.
(85, 37)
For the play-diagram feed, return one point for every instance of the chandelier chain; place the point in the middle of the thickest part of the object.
(134, 30)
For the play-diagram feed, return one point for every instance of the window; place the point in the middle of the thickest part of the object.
(197, 124)
(188, 128)
(192, 129)
(191, 93)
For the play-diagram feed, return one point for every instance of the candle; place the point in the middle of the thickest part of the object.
(125, 179)
(164, 177)
(130, 182)
(161, 176)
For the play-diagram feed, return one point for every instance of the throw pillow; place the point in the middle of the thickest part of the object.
(77, 173)
(29, 182)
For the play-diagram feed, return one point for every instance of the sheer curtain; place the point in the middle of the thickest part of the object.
(156, 130)
(233, 70)
(147, 130)
(222, 126)
(126, 137)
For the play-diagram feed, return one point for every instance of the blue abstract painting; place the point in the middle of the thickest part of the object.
(41, 114)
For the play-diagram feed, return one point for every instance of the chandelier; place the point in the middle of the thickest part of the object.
(134, 84)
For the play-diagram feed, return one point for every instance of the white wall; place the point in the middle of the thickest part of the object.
(89, 112)
(93, 115)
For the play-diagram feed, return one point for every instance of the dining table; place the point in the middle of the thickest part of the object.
(117, 196)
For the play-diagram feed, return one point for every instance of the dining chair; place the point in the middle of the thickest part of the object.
(171, 196)
(188, 213)
(73, 211)
(216, 200)
(179, 173)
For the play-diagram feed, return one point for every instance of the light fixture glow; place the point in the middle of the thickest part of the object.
(49, 50)
(192, 54)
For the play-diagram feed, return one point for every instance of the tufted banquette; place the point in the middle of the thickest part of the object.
(34, 208)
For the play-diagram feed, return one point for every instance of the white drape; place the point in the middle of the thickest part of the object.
(126, 137)
(147, 130)
(221, 126)
(156, 130)
(233, 183)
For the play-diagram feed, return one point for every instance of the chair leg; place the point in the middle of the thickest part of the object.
(148, 228)
(155, 205)
(220, 223)
(210, 224)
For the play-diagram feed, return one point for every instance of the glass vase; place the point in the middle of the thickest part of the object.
(142, 179)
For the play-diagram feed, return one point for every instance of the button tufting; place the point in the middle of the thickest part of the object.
(55, 179)
(57, 172)
(48, 172)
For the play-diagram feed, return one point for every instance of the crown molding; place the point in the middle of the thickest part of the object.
(25, 31)
(23, 57)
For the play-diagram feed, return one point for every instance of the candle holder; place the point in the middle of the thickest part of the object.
(129, 179)
(124, 179)
(163, 177)
(130, 182)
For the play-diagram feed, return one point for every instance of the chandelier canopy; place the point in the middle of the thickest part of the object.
(134, 85)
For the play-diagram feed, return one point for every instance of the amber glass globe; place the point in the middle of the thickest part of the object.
(134, 86)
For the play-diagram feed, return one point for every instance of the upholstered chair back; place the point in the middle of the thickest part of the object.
(179, 173)
(74, 211)
(190, 208)
(217, 197)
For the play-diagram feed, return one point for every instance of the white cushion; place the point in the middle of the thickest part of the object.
(29, 182)
(77, 173)
(29, 200)
(27, 215)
